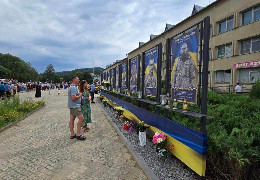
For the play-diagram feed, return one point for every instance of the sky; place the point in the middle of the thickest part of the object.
(74, 34)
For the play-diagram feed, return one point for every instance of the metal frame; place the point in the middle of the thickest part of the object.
(120, 77)
(159, 66)
(204, 28)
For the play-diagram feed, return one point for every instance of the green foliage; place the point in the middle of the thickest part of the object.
(255, 91)
(67, 76)
(233, 128)
(13, 67)
(49, 73)
(13, 109)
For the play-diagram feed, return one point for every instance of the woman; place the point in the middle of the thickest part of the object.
(38, 91)
(85, 105)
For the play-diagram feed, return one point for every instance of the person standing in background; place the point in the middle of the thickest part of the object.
(74, 104)
(238, 89)
(92, 92)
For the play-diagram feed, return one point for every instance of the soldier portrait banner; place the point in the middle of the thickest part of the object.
(150, 75)
(184, 63)
(124, 85)
(117, 77)
(133, 74)
(112, 78)
(108, 76)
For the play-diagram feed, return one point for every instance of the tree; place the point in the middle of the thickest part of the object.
(13, 67)
(49, 73)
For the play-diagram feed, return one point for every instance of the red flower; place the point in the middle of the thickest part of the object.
(171, 147)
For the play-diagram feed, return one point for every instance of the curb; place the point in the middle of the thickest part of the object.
(20, 119)
(141, 163)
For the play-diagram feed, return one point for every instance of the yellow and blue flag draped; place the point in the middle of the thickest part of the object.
(190, 145)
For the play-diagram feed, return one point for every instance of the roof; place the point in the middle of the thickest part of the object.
(197, 8)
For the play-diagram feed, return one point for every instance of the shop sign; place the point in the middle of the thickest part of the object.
(247, 64)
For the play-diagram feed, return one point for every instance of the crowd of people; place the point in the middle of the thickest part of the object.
(80, 95)
(10, 87)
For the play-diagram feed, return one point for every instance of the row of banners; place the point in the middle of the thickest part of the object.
(184, 69)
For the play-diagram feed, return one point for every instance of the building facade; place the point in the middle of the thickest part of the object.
(234, 43)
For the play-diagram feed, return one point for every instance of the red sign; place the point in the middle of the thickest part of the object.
(247, 64)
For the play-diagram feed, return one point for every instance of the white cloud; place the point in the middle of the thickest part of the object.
(64, 32)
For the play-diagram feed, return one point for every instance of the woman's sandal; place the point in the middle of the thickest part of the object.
(72, 137)
(80, 137)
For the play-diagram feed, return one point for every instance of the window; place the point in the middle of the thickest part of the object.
(230, 24)
(221, 51)
(223, 76)
(225, 51)
(251, 75)
(251, 15)
(255, 44)
(247, 17)
(257, 13)
(250, 45)
(226, 25)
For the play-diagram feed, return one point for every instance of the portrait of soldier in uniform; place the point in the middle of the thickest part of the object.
(150, 80)
(133, 81)
(184, 72)
(117, 79)
(123, 79)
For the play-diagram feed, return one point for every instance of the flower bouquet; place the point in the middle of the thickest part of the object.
(119, 110)
(122, 118)
(104, 102)
(159, 139)
(141, 126)
(128, 125)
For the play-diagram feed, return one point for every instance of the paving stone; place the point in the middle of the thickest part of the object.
(39, 147)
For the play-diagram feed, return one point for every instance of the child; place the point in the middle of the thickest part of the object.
(58, 91)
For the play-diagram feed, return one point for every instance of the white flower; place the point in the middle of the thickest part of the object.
(156, 134)
(159, 140)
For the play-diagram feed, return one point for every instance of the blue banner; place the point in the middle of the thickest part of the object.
(123, 86)
(150, 77)
(112, 78)
(185, 66)
(108, 76)
(133, 74)
(191, 138)
(117, 77)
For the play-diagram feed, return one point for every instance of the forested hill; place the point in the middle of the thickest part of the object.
(15, 68)
(97, 70)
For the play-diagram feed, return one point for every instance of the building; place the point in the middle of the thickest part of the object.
(234, 43)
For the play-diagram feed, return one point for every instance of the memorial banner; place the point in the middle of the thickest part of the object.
(185, 66)
(112, 79)
(117, 77)
(150, 76)
(124, 86)
(133, 74)
(108, 76)
(104, 76)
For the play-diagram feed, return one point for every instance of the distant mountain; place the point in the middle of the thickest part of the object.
(97, 70)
